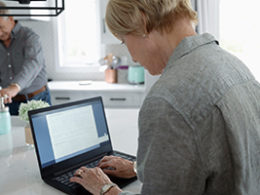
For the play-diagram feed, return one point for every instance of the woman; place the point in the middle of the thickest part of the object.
(199, 125)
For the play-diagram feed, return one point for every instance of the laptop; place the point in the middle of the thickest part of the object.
(71, 135)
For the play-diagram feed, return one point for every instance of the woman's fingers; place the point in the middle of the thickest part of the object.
(91, 179)
(84, 169)
(110, 172)
(76, 180)
(111, 165)
(104, 165)
(105, 159)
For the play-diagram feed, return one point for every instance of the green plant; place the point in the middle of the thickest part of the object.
(30, 105)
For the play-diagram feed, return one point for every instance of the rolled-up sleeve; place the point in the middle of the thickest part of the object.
(33, 61)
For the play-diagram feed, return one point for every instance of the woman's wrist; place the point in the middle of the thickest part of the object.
(115, 190)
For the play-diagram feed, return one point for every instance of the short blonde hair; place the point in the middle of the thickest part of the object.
(142, 16)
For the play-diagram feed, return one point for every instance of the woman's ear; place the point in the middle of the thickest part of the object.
(144, 18)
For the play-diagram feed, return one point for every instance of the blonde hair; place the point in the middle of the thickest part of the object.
(3, 11)
(142, 16)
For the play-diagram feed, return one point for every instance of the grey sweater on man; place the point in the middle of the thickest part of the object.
(199, 126)
(23, 61)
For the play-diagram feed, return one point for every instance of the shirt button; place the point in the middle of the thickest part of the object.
(9, 66)
(8, 54)
(10, 78)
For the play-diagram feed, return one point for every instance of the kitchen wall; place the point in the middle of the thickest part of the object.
(45, 29)
(119, 50)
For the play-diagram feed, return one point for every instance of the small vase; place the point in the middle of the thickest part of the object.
(111, 75)
(28, 135)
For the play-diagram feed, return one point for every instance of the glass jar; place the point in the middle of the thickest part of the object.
(5, 121)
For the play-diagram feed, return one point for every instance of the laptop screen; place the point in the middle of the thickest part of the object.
(67, 131)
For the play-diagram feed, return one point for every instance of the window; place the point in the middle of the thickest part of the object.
(79, 36)
(240, 30)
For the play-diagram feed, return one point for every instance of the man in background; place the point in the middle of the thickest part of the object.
(22, 66)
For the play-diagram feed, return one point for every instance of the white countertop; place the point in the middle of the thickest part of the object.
(93, 86)
(18, 164)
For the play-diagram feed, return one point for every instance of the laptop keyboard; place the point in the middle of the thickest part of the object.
(127, 157)
(65, 178)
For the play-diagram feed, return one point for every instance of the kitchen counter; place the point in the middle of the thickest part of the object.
(113, 95)
(18, 164)
(93, 86)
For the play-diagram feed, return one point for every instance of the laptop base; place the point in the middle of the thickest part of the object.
(77, 189)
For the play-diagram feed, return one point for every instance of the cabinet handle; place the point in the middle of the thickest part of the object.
(117, 99)
(62, 98)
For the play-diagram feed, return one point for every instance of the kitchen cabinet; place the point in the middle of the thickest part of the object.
(113, 95)
(106, 36)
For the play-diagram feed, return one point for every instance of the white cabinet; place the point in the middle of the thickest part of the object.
(113, 95)
(106, 36)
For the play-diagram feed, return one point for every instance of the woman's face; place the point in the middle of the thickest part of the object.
(146, 52)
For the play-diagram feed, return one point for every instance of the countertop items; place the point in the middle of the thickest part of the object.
(18, 164)
(5, 119)
(136, 75)
(111, 64)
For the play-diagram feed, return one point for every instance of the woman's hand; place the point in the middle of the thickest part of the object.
(93, 180)
(118, 167)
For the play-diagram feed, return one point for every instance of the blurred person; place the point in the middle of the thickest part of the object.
(22, 66)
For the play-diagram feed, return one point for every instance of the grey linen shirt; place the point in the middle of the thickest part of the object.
(23, 62)
(199, 126)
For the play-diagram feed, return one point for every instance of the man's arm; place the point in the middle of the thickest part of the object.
(33, 62)
(9, 92)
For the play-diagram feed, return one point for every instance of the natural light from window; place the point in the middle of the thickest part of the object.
(240, 31)
(80, 34)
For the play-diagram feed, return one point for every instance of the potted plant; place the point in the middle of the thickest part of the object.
(23, 115)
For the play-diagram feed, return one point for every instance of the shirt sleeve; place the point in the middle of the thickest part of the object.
(126, 193)
(33, 61)
(168, 160)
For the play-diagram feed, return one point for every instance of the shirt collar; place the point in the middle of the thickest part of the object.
(188, 44)
(16, 29)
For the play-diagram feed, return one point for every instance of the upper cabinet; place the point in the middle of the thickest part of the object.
(106, 36)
